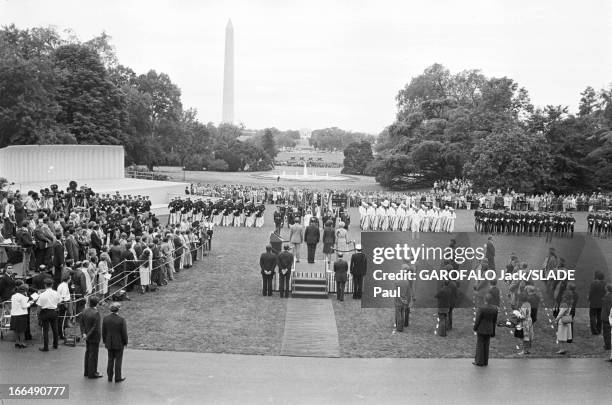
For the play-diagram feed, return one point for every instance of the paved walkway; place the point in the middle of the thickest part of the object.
(310, 329)
(196, 378)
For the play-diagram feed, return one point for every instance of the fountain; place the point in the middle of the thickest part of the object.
(303, 176)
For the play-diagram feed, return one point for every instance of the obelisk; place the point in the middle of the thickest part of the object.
(228, 75)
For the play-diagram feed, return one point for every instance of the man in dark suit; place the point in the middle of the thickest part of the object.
(597, 291)
(26, 241)
(178, 251)
(96, 241)
(90, 325)
(340, 271)
(58, 261)
(72, 246)
(444, 300)
(453, 298)
(80, 287)
(267, 263)
(42, 244)
(606, 307)
(359, 267)
(285, 263)
(7, 284)
(312, 237)
(484, 326)
(490, 253)
(115, 338)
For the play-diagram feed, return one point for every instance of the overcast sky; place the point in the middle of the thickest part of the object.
(314, 64)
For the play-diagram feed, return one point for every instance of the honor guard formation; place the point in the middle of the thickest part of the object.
(290, 214)
(524, 222)
(228, 212)
(599, 223)
(388, 216)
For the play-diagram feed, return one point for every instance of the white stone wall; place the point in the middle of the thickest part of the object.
(33, 163)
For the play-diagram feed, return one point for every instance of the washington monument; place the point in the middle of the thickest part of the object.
(228, 75)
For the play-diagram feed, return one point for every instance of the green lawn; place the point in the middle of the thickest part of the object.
(217, 306)
(249, 178)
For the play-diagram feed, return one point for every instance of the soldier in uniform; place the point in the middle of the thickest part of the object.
(278, 219)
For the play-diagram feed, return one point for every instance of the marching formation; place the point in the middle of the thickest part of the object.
(229, 212)
(524, 222)
(599, 223)
(392, 217)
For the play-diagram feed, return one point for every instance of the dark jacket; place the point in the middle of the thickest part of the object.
(329, 236)
(606, 306)
(444, 299)
(58, 254)
(96, 242)
(42, 240)
(312, 234)
(267, 262)
(24, 238)
(90, 325)
(486, 319)
(285, 260)
(596, 293)
(341, 269)
(115, 254)
(453, 294)
(114, 332)
(178, 245)
(7, 287)
(359, 264)
(72, 248)
(79, 281)
(495, 296)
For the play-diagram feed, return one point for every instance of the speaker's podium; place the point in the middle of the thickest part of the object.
(276, 242)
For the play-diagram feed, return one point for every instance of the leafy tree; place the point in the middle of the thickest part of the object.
(516, 160)
(28, 89)
(357, 156)
(336, 138)
(268, 144)
(91, 106)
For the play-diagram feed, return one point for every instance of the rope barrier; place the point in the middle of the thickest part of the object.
(103, 299)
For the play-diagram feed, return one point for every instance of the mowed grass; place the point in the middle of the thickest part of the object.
(332, 157)
(364, 183)
(369, 332)
(217, 306)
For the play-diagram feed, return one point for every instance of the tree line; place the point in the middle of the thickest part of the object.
(486, 129)
(58, 90)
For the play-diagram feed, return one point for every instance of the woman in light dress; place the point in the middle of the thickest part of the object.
(526, 323)
(144, 271)
(564, 328)
(341, 242)
(104, 273)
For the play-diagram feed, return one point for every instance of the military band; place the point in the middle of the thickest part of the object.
(599, 223)
(524, 222)
(228, 212)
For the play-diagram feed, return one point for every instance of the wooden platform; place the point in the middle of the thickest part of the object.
(310, 329)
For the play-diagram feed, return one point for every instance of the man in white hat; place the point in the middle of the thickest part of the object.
(392, 214)
(371, 216)
(401, 216)
(359, 268)
(363, 216)
(386, 219)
